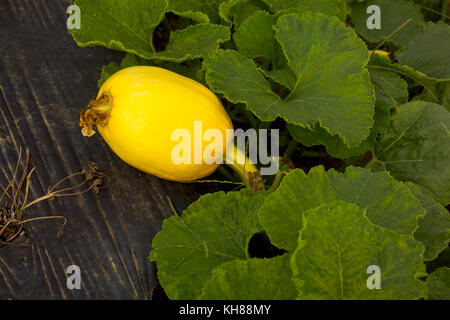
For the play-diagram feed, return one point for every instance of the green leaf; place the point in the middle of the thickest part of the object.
(389, 87)
(332, 87)
(416, 147)
(253, 279)
(129, 27)
(236, 11)
(394, 13)
(255, 37)
(434, 90)
(200, 11)
(333, 143)
(337, 245)
(336, 8)
(439, 284)
(119, 25)
(213, 230)
(389, 204)
(429, 51)
(434, 227)
(195, 41)
(191, 69)
(390, 91)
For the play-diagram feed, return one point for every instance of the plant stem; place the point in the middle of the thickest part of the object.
(226, 174)
(291, 147)
(276, 182)
(241, 164)
(372, 161)
(251, 118)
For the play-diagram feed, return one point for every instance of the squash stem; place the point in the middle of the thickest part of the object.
(97, 112)
(248, 172)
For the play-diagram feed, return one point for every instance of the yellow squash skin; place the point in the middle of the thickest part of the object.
(138, 109)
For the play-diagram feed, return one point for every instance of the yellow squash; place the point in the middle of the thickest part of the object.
(137, 110)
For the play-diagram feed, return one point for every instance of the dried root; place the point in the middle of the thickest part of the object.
(14, 197)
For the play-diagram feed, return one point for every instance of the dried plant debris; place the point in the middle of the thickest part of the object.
(14, 197)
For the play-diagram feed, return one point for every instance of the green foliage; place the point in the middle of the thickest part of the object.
(335, 248)
(416, 147)
(394, 13)
(257, 279)
(439, 284)
(324, 74)
(389, 203)
(434, 63)
(303, 66)
(128, 26)
(337, 8)
(213, 230)
(434, 227)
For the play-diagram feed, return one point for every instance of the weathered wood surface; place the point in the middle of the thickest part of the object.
(45, 79)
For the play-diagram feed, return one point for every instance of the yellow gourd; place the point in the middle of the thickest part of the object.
(138, 109)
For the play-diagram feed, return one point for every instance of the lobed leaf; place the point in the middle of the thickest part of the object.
(388, 203)
(253, 279)
(332, 87)
(213, 230)
(434, 227)
(115, 24)
(416, 147)
(129, 27)
(336, 246)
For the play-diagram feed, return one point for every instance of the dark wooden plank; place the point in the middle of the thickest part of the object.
(45, 79)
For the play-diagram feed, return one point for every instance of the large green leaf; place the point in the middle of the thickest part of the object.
(439, 284)
(213, 230)
(394, 13)
(332, 87)
(429, 51)
(128, 26)
(336, 8)
(390, 91)
(337, 245)
(389, 204)
(253, 279)
(119, 25)
(434, 227)
(416, 147)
